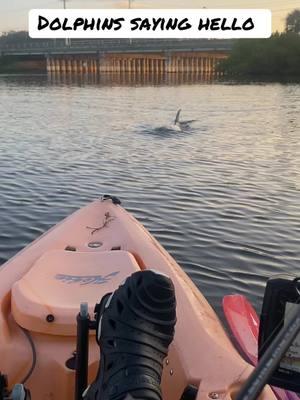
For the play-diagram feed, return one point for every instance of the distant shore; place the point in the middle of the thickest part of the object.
(276, 59)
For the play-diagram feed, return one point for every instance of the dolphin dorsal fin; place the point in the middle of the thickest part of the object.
(177, 116)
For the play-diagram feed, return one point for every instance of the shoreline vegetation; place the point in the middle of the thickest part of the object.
(276, 58)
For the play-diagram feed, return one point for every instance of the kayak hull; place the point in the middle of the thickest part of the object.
(80, 259)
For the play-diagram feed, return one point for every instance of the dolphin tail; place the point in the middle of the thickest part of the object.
(177, 116)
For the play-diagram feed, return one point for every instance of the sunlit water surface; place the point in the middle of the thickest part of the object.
(222, 196)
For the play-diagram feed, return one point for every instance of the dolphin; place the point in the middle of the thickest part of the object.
(176, 122)
(179, 125)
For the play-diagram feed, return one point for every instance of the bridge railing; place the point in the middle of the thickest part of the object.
(98, 45)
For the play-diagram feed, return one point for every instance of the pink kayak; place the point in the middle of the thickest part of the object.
(79, 260)
(244, 324)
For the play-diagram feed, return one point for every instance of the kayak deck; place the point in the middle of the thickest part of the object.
(79, 260)
(33, 298)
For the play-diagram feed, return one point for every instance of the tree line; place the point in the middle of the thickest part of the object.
(19, 37)
(278, 56)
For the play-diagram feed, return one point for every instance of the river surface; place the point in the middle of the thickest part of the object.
(222, 195)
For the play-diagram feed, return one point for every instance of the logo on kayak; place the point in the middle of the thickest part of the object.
(86, 279)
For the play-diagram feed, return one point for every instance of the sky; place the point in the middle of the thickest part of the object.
(13, 13)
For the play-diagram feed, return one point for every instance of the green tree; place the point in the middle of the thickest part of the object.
(292, 23)
(278, 56)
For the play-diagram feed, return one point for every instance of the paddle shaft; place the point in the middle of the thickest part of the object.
(271, 359)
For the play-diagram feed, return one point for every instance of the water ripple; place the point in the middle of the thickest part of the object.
(222, 196)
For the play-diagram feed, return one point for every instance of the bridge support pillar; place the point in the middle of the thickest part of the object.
(85, 66)
(116, 65)
(63, 66)
(57, 67)
(88, 66)
(214, 64)
(185, 64)
(157, 66)
(93, 67)
(196, 65)
(79, 66)
(106, 65)
(68, 65)
(75, 66)
(100, 64)
(48, 64)
(169, 64)
(142, 65)
(174, 64)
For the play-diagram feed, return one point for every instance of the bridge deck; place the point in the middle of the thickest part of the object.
(96, 46)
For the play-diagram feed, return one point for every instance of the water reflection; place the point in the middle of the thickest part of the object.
(130, 79)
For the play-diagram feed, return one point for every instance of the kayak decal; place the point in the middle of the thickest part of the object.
(86, 279)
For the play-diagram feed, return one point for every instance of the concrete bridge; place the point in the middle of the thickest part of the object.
(124, 55)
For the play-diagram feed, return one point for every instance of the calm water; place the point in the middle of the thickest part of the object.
(223, 196)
